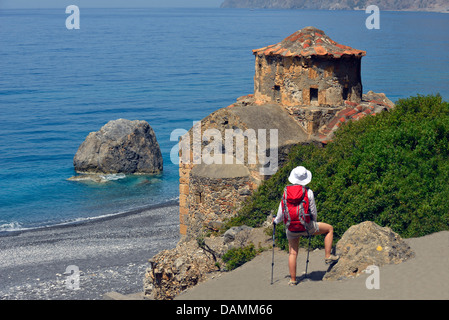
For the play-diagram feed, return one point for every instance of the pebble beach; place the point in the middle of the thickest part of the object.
(111, 254)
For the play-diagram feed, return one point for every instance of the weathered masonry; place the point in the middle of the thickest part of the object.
(308, 68)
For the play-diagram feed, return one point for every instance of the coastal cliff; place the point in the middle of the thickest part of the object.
(403, 5)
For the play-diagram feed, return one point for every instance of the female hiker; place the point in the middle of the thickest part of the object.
(298, 212)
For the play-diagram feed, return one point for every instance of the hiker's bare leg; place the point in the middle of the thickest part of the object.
(293, 254)
(328, 230)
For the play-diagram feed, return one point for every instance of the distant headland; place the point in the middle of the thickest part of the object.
(391, 5)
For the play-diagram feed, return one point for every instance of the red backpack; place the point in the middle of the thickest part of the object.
(295, 206)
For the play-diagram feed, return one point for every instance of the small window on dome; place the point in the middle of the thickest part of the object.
(313, 95)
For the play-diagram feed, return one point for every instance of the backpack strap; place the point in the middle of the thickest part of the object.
(300, 208)
(285, 212)
(303, 215)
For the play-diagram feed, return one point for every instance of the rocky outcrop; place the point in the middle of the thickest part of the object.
(173, 271)
(120, 146)
(191, 262)
(367, 244)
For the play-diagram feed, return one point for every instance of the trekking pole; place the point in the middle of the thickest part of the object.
(307, 261)
(272, 257)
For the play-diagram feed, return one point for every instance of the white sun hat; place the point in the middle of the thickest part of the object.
(300, 175)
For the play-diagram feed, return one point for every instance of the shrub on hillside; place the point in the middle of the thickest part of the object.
(235, 257)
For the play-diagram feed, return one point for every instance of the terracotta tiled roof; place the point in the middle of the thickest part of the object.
(309, 42)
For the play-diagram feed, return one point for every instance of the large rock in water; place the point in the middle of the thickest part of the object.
(121, 146)
(367, 244)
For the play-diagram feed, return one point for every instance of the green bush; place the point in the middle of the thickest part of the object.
(392, 168)
(235, 257)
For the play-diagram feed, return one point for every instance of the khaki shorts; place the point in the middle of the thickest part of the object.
(294, 235)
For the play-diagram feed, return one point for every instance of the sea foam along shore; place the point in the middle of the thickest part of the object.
(111, 254)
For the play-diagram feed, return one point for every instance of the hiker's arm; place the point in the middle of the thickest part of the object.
(312, 205)
(278, 218)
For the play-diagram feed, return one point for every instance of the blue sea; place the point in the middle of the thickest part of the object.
(169, 67)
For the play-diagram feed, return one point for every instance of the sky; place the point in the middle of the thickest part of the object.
(13, 4)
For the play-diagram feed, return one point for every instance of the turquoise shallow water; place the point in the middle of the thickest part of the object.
(169, 67)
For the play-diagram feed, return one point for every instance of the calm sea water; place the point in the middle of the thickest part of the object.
(169, 67)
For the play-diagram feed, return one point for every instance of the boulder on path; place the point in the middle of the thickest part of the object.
(120, 146)
(367, 244)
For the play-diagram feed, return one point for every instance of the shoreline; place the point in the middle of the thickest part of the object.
(87, 220)
(111, 254)
(424, 10)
